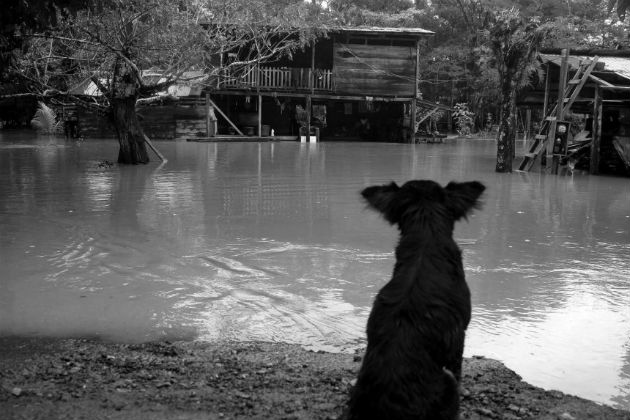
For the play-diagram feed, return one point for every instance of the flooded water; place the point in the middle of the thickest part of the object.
(270, 241)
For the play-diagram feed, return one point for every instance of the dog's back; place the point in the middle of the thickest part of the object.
(415, 331)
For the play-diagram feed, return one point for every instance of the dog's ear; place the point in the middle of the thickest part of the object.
(383, 199)
(463, 197)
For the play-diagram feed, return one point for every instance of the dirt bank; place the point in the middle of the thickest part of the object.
(83, 379)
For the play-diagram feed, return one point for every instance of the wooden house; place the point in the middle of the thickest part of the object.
(352, 84)
(355, 83)
(594, 92)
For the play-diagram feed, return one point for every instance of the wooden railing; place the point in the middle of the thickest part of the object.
(278, 78)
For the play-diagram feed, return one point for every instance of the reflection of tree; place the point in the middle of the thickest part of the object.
(126, 199)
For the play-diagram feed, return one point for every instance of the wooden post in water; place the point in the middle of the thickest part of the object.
(562, 84)
(416, 93)
(596, 131)
(308, 118)
(311, 85)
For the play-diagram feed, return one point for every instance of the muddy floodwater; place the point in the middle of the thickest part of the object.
(270, 241)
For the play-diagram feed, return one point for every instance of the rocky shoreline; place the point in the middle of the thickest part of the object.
(90, 379)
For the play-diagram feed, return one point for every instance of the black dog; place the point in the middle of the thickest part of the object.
(415, 332)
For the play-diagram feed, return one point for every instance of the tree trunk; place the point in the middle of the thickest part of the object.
(124, 96)
(130, 135)
(507, 130)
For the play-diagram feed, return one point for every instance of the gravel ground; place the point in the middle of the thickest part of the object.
(89, 379)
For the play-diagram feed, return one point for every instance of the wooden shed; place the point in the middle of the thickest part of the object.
(589, 92)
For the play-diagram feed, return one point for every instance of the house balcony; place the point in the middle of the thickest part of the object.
(277, 78)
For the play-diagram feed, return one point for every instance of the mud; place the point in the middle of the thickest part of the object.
(88, 379)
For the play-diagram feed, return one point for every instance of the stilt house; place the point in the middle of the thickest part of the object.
(589, 93)
(356, 83)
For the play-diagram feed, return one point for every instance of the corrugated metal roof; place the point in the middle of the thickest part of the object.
(618, 65)
(388, 31)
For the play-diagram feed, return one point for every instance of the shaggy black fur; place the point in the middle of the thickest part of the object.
(415, 332)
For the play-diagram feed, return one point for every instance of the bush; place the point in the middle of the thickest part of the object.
(464, 119)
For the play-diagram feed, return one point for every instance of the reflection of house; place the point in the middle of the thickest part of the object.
(600, 105)
(355, 83)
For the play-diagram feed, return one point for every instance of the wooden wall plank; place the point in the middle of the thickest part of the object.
(374, 69)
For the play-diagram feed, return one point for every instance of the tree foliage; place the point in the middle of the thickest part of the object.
(620, 6)
(514, 43)
(115, 46)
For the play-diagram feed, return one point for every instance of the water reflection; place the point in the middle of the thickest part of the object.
(271, 242)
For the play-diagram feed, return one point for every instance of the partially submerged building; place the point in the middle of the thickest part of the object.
(595, 104)
(352, 84)
(356, 83)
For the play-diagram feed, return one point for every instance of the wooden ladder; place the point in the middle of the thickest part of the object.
(425, 110)
(571, 92)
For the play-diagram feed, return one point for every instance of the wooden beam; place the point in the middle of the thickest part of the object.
(311, 81)
(547, 89)
(596, 133)
(308, 118)
(323, 96)
(225, 116)
(599, 81)
(562, 86)
(427, 115)
(412, 120)
(259, 115)
(156, 151)
(581, 84)
(416, 90)
(617, 88)
(416, 93)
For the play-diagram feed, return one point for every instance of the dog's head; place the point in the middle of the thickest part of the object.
(424, 201)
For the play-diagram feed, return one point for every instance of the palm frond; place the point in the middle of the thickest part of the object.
(45, 120)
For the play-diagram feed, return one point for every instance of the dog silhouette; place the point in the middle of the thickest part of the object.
(416, 329)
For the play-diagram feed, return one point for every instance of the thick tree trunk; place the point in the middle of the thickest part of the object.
(130, 135)
(124, 96)
(507, 131)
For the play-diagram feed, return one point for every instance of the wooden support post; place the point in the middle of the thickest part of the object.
(412, 121)
(311, 80)
(547, 89)
(308, 118)
(309, 98)
(596, 133)
(528, 123)
(416, 93)
(259, 116)
(564, 68)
